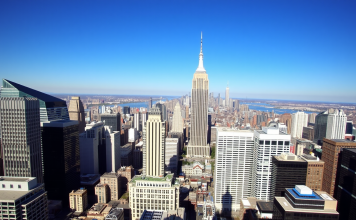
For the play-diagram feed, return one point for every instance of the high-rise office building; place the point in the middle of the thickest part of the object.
(22, 198)
(315, 172)
(163, 109)
(112, 151)
(286, 119)
(150, 104)
(233, 163)
(346, 184)
(153, 144)
(126, 110)
(137, 121)
(287, 171)
(227, 96)
(321, 121)
(177, 119)
(336, 125)
(349, 127)
(331, 150)
(51, 108)
(199, 118)
(112, 119)
(91, 141)
(268, 142)
(303, 203)
(21, 137)
(308, 133)
(76, 112)
(171, 155)
(61, 158)
(311, 117)
(299, 120)
(137, 156)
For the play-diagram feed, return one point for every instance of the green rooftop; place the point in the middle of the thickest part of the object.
(155, 179)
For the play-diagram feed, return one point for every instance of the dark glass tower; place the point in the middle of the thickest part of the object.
(345, 187)
(61, 158)
(287, 171)
(111, 119)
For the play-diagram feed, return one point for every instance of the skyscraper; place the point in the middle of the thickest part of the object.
(177, 119)
(154, 144)
(299, 120)
(321, 121)
(163, 110)
(234, 158)
(21, 137)
(112, 119)
(345, 186)
(331, 151)
(137, 118)
(199, 116)
(51, 108)
(76, 112)
(287, 170)
(61, 158)
(336, 125)
(268, 142)
(227, 96)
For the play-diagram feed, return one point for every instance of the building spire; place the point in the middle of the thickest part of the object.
(201, 67)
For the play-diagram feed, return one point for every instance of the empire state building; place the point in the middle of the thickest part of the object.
(198, 146)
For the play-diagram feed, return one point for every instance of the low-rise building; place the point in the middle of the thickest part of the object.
(153, 193)
(78, 200)
(178, 214)
(113, 181)
(196, 169)
(126, 174)
(102, 193)
(22, 198)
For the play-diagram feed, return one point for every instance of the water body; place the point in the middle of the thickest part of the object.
(141, 104)
(264, 107)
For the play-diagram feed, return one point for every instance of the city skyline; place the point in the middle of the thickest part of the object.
(302, 48)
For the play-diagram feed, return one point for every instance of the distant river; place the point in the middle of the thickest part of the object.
(140, 104)
(268, 108)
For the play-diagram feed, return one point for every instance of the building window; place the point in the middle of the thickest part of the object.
(11, 186)
(3, 185)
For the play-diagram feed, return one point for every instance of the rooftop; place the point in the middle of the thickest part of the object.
(288, 157)
(16, 179)
(287, 207)
(265, 206)
(11, 195)
(168, 177)
(89, 179)
(7, 84)
(298, 195)
(110, 175)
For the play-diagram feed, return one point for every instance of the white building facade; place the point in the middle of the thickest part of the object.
(113, 154)
(299, 120)
(268, 142)
(171, 155)
(155, 193)
(233, 163)
(154, 144)
(336, 126)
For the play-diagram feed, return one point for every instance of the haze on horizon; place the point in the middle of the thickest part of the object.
(286, 50)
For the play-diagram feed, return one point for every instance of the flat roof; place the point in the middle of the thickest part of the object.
(11, 195)
(289, 208)
(16, 179)
(156, 179)
(59, 124)
(265, 206)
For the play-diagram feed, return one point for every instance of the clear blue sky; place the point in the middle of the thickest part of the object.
(288, 49)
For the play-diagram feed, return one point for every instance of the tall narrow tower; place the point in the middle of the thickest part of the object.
(227, 96)
(76, 112)
(153, 144)
(199, 111)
